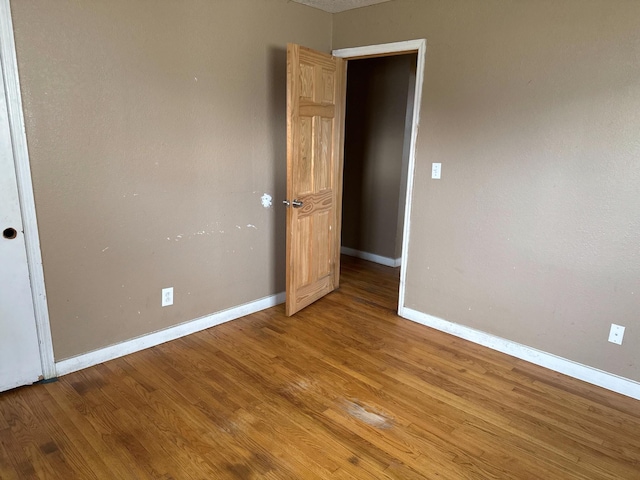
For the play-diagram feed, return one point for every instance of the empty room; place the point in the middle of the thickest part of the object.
(295, 239)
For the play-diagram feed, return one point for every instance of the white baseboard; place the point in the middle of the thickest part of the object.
(89, 359)
(372, 257)
(603, 379)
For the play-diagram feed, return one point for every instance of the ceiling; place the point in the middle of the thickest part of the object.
(335, 6)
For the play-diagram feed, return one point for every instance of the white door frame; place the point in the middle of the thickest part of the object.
(399, 48)
(9, 65)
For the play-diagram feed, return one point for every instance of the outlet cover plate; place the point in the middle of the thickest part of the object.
(167, 296)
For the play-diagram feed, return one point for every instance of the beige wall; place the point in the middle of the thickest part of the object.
(154, 128)
(533, 232)
(374, 140)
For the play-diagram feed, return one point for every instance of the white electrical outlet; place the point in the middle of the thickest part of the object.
(436, 168)
(167, 296)
(616, 334)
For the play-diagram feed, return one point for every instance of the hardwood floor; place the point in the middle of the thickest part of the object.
(344, 389)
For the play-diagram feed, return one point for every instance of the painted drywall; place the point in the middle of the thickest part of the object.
(156, 132)
(374, 141)
(533, 232)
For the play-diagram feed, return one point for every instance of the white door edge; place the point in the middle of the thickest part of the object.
(410, 46)
(9, 64)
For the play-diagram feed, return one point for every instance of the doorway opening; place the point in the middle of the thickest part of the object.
(384, 88)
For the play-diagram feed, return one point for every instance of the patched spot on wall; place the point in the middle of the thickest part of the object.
(266, 200)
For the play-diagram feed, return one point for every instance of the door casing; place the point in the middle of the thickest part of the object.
(399, 48)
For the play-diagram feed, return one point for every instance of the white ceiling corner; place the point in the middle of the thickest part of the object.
(337, 6)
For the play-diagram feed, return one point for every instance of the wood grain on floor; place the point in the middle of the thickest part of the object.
(344, 389)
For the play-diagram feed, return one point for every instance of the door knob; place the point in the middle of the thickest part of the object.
(295, 203)
(9, 233)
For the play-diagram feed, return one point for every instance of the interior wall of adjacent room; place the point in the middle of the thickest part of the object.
(375, 153)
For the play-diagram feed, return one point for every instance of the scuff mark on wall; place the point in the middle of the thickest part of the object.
(193, 235)
(266, 200)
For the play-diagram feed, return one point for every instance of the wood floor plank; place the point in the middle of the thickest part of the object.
(13, 460)
(344, 389)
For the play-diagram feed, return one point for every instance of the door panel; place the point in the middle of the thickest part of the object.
(19, 352)
(315, 119)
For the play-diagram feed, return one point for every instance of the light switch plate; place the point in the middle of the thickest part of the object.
(435, 170)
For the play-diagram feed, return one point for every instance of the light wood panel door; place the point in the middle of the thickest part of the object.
(316, 89)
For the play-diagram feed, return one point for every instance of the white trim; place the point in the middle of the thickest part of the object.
(9, 65)
(591, 375)
(406, 46)
(372, 257)
(90, 359)
(419, 46)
